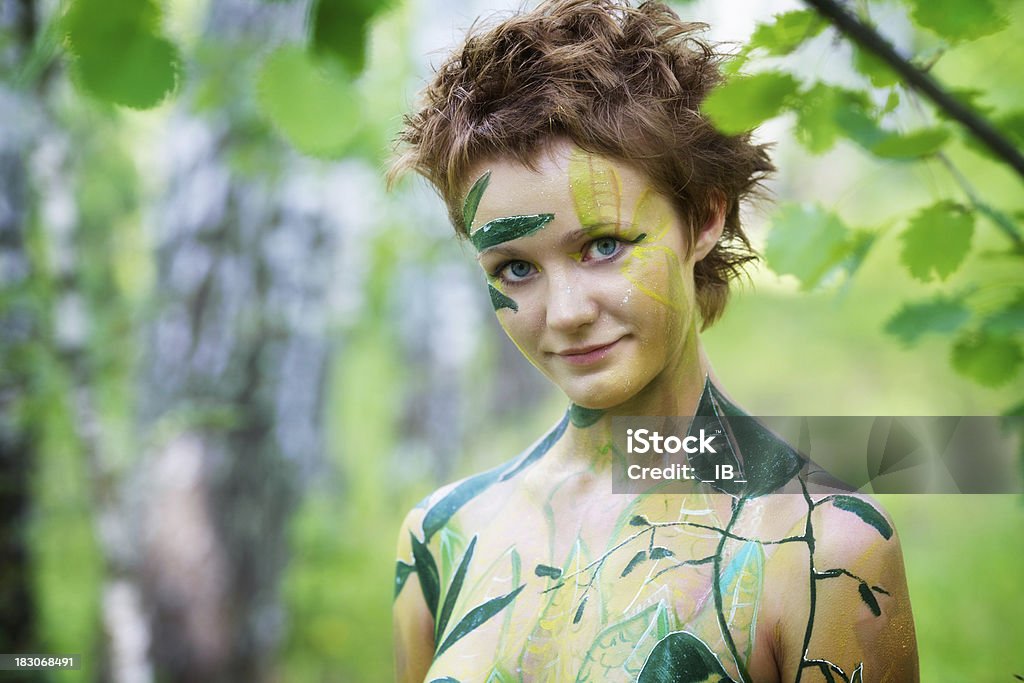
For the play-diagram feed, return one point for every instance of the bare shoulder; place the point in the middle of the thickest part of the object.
(845, 606)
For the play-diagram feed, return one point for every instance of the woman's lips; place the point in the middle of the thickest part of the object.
(585, 355)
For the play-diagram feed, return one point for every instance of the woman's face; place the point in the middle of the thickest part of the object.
(588, 272)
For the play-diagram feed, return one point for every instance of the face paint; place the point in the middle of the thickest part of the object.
(469, 206)
(499, 300)
(508, 228)
(584, 417)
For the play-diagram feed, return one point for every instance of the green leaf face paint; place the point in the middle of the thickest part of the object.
(499, 300)
(509, 228)
(472, 202)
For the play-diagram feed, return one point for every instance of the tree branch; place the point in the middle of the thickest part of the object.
(871, 40)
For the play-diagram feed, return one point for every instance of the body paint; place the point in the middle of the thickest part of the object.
(499, 300)
(472, 202)
(508, 228)
(584, 417)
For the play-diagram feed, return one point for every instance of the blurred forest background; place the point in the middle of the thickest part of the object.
(230, 360)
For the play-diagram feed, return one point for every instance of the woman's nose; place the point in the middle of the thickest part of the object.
(570, 303)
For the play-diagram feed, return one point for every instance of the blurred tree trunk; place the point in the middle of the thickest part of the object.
(232, 377)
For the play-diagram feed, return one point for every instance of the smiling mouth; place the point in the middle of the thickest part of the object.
(585, 355)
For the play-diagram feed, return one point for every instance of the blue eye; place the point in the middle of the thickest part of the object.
(602, 248)
(514, 271)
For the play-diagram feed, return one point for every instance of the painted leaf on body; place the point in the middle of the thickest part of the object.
(472, 202)
(584, 417)
(439, 514)
(402, 571)
(508, 228)
(681, 657)
(548, 571)
(631, 565)
(426, 571)
(596, 189)
(869, 599)
(866, 512)
(477, 616)
(499, 300)
(619, 651)
(742, 584)
(452, 594)
(659, 552)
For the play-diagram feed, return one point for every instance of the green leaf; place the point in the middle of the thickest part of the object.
(914, 145)
(955, 20)
(988, 359)
(658, 552)
(914, 320)
(473, 198)
(869, 599)
(681, 657)
(937, 240)
(874, 67)
(402, 571)
(548, 571)
(806, 242)
(340, 28)
(787, 32)
(426, 571)
(639, 520)
(477, 616)
(865, 511)
(619, 651)
(317, 111)
(858, 674)
(579, 610)
(439, 514)
(1008, 320)
(740, 104)
(119, 53)
(452, 595)
(636, 559)
(824, 111)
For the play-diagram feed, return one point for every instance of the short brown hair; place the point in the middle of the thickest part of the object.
(619, 81)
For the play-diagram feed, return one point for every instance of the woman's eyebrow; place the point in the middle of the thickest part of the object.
(506, 229)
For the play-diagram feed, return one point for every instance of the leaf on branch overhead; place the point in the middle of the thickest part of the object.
(787, 32)
(914, 320)
(913, 145)
(937, 240)
(956, 20)
(868, 64)
(741, 104)
(119, 52)
(1008, 320)
(823, 112)
(806, 241)
(316, 110)
(339, 29)
(987, 358)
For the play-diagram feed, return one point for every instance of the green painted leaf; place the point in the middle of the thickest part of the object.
(548, 571)
(584, 417)
(631, 565)
(681, 657)
(439, 514)
(940, 314)
(508, 228)
(659, 552)
(619, 651)
(473, 198)
(579, 610)
(316, 110)
(742, 584)
(988, 359)
(452, 594)
(787, 32)
(866, 512)
(915, 145)
(475, 617)
(741, 104)
(874, 68)
(956, 21)
(446, 679)
(119, 52)
(402, 571)
(639, 520)
(499, 300)
(538, 451)
(426, 572)
(858, 674)
(806, 242)
(937, 240)
(869, 599)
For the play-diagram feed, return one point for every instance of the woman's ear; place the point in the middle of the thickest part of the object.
(711, 231)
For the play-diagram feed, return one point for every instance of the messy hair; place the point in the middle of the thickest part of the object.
(620, 81)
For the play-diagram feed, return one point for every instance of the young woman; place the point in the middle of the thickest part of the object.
(568, 145)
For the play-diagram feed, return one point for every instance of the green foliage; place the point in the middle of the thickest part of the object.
(937, 240)
(339, 30)
(806, 242)
(866, 511)
(956, 21)
(120, 55)
(987, 358)
(317, 111)
(743, 103)
(940, 314)
(788, 32)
